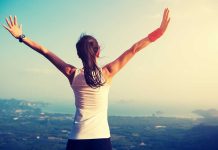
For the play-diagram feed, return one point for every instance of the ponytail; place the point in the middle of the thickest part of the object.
(87, 47)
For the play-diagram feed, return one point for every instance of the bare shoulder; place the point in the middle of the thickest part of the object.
(106, 74)
(69, 69)
(70, 72)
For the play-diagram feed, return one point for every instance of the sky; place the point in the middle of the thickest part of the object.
(177, 73)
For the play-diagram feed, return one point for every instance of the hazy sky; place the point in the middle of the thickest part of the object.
(177, 72)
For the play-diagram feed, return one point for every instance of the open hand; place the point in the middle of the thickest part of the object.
(165, 20)
(13, 27)
(159, 31)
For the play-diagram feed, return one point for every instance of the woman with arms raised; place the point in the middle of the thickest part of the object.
(90, 130)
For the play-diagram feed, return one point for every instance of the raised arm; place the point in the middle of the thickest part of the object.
(112, 68)
(16, 31)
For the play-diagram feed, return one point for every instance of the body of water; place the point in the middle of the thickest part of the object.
(122, 110)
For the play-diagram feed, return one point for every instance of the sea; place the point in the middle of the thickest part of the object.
(119, 109)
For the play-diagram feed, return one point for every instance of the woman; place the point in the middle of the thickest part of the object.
(90, 130)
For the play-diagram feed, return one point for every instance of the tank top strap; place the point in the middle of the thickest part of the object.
(77, 71)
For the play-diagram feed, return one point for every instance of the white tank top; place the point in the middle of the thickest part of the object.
(90, 121)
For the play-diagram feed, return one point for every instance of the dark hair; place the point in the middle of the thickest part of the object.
(87, 47)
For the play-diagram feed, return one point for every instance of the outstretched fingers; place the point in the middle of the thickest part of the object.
(165, 19)
(153, 36)
(165, 26)
(166, 13)
(11, 20)
(12, 26)
(6, 27)
(15, 20)
(9, 24)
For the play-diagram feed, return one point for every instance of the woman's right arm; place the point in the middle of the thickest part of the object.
(112, 68)
(16, 31)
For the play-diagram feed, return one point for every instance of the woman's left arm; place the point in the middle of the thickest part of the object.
(16, 31)
(112, 68)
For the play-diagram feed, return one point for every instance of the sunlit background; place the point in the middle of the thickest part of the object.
(175, 75)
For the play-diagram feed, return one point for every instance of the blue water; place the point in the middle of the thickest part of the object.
(119, 109)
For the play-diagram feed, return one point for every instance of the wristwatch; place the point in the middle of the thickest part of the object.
(21, 37)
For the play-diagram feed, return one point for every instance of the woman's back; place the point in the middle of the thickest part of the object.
(91, 109)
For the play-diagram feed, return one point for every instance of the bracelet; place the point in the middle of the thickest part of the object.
(155, 35)
(21, 37)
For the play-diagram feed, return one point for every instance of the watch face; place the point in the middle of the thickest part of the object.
(21, 37)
